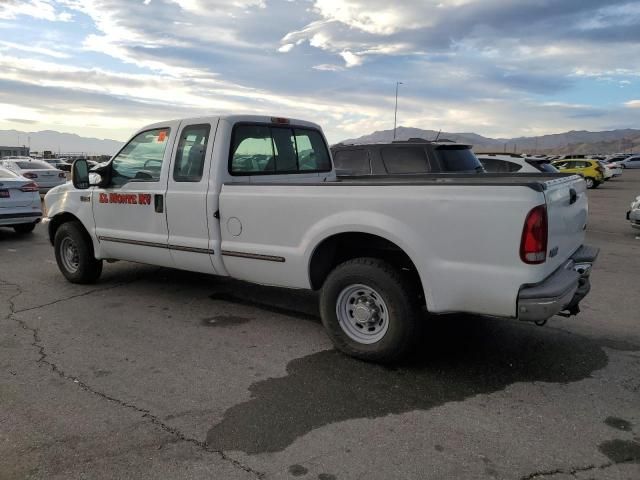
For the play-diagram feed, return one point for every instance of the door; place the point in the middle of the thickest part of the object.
(130, 213)
(188, 203)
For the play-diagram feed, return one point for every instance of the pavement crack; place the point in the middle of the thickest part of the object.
(145, 413)
(574, 470)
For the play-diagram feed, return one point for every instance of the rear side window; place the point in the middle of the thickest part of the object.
(189, 163)
(544, 167)
(457, 159)
(354, 162)
(493, 165)
(265, 150)
(401, 160)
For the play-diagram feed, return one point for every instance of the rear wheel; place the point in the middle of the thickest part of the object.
(24, 227)
(74, 254)
(370, 310)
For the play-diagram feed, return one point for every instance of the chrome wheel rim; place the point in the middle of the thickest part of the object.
(362, 313)
(69, 255)
(589, 183)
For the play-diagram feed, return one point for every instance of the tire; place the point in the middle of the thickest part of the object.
(596, 184)
(74, 254)
(590, 182)
(24, 228)
(379, 288)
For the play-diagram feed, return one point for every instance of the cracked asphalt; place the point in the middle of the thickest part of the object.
(157, 373)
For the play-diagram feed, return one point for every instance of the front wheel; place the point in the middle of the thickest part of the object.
(74, 254)
(370, 310)
(590, 182)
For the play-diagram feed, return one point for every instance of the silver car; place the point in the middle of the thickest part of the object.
(630, 162)
(20, 206)
(38, 171)
(633, 215)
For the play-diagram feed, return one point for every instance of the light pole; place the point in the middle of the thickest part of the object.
(395, 115)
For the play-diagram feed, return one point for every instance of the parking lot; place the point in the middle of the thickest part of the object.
(157, 373)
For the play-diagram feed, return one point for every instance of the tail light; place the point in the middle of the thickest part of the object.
(30, 187)
(61, 175)
(533, 245)
(29, 175)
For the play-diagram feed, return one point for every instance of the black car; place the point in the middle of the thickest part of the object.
(407, 157)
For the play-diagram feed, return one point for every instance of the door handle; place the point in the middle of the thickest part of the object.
(158, 203)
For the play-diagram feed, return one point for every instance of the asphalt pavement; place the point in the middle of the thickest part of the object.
(157, 373)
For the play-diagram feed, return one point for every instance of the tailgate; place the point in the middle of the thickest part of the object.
(567, 210)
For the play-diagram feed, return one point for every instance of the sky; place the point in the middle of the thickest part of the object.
(500, 68)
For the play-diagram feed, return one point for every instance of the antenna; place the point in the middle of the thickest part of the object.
(438, 135)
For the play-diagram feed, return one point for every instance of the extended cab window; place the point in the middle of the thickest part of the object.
(401, 160)
(189, 163)
(494, 165)
(141, 159)
(264, 150)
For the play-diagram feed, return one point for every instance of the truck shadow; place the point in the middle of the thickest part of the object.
(460, 356)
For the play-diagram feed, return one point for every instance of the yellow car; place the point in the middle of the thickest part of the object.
(591, 170)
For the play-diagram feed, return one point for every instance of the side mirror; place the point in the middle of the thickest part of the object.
(80, 174)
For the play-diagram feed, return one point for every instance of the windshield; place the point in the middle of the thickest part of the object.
(458, 159)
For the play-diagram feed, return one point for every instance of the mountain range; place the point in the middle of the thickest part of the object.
(59, 142)
(581, 142)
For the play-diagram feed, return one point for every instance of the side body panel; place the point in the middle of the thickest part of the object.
(463, 240)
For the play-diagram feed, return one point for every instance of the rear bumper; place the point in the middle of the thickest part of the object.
(17, 218)
(562, 290)
(634, 218)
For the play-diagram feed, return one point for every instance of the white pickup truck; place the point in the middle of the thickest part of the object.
(256, 198)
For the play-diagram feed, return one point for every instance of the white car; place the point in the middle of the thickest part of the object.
(611, 170)
(256, 198)
(39, 171)
(633, 215)
(20, 206)
(506, 163)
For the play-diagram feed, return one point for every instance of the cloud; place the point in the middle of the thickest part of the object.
(41, 9)
(492, 66)
(633, 104)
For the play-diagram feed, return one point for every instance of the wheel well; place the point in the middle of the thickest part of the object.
(345, 246)
(58, 220)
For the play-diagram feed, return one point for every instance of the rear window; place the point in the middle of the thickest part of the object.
(401, 160)
(34, 165)
(545, 167)
(6, 173)
(457, 159)
(353, 162)
(266, 150)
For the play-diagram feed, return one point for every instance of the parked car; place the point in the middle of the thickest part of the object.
(629, 162)
(59, 163)
(591, 170)
(411, 157)
(259, 201)
(45, 175)
(20, 206)
(611, 170)
(633, 214)
(512, 163)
